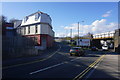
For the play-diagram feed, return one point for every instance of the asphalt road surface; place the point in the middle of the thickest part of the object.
(94, 65)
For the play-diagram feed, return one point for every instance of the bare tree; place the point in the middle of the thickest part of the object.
(3, 20)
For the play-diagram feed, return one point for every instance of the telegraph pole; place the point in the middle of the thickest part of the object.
(78, 33)
(71, 34)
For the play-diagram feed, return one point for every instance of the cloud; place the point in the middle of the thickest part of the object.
(97, 26)
(72, 26)
(107, 13)
(59, 34)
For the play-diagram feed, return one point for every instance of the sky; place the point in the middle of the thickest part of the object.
(94, 17)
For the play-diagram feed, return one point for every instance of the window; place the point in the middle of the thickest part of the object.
(36, 28)
(25, 19)
(28, 29)
(36, 16)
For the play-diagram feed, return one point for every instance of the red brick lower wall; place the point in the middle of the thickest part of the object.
(37, 37)
(49, 39)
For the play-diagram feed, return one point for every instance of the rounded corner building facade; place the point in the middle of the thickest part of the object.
(38, 25)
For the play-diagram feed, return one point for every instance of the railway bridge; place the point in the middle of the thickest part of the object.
(101, 39)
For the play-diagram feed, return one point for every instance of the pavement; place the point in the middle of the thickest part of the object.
(94, 65)
(107, 69)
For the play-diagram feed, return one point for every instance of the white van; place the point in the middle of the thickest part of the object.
(104, 47)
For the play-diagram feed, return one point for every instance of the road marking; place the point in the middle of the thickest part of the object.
(46, 68)
(78, 65)
(93, 70)
(65, 62)
(32, 61)
(88, 68)
(75, 59)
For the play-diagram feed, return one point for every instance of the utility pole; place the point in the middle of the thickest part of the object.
(66, 32)
(71, 34)
(78, 33)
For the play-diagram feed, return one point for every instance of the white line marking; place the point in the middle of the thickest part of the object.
(46, 68)
(75, 59)
(92, 70)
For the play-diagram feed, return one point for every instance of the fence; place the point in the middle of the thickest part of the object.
(17, 46)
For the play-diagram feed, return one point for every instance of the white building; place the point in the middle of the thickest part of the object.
(38, 25)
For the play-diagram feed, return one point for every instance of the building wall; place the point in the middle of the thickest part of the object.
(41, 29)
(44, 37)
(45, 29)
(38, 39)
(50, 41)
(117, 41)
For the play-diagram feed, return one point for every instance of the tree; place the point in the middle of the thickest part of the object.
(88, 35)
(3, 20)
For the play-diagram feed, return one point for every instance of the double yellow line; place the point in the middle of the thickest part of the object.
(78, 77)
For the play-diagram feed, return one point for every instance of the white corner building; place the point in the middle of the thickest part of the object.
(38, 25)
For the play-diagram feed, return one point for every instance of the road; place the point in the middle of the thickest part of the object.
(93, 65)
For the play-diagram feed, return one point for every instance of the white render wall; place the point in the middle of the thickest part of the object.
(42, 25)
(41, 28)
(45, 29)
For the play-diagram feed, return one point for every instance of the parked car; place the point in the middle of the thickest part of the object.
(94, 48)
(78, 51)
(105, 47)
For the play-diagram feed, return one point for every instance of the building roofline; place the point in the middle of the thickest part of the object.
(36, 12)
(39, 12)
